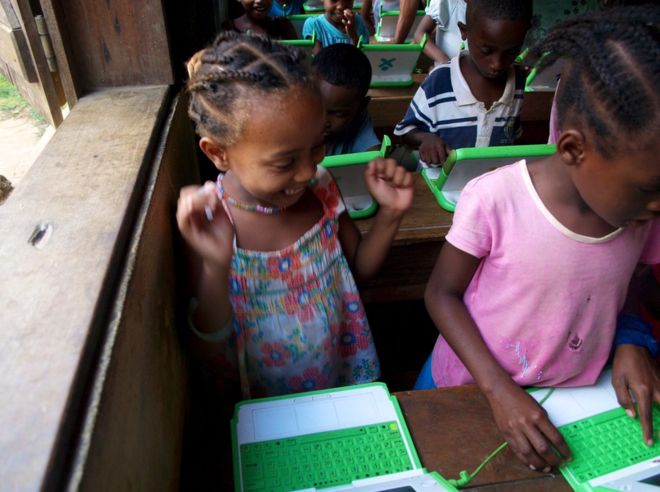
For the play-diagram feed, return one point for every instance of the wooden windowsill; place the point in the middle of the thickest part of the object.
(86, 186)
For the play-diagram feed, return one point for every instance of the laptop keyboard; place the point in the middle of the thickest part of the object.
(324, 459)
(607, 442)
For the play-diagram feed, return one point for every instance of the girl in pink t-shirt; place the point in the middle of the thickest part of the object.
(538, 261)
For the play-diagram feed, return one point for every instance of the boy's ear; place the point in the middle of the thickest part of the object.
(571, 147)
(215, 152)
(464, 29)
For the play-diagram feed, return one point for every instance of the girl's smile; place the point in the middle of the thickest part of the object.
(272, 165)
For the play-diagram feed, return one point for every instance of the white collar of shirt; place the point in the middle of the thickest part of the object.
(553, 220)
(464, 96)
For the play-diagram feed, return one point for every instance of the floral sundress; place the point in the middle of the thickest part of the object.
(299, 320)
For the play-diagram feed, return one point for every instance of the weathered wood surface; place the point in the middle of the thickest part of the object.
(110, 44)
(14, 51)
(453, 430)
(55, 299)
(45, 93)
(135, 418)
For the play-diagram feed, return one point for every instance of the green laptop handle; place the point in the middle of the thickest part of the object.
(354, 159)
(533, 73)
(300, 43)
(357, 157)
(393, 47)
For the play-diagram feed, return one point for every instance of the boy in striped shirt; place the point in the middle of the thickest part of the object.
(474, 100)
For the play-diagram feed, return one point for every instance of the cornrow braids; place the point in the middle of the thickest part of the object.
(235, 69)
(612, 78)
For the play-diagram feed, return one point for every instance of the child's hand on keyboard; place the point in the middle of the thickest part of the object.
(526, 427)
(635, 372)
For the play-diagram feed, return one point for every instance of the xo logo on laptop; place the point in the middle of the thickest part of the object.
(386, 63)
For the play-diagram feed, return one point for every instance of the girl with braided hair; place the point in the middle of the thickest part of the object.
(275, 296)
(537, 264)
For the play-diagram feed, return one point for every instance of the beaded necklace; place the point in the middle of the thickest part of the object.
(260, 209)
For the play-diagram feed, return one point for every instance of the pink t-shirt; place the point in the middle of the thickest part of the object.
(545, 299)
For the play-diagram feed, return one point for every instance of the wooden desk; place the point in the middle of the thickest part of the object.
(416, 247)
(453, 430)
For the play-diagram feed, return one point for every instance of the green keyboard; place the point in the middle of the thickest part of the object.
(607, 442)
(324, 459)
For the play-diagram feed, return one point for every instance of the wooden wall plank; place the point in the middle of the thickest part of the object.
(46, 83)
(85, 184)
(135, 423)
(116, 43)
(15, 52)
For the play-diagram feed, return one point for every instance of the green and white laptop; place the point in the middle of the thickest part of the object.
(607, 447)
(392, 65)
(348, 171)
(387, 21)
(545, 80)
(344, 439)
(462, 165)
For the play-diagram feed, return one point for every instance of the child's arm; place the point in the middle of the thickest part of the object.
(407, 12)
(523, 423)
(427, 26)
(634, 371)
(432, 149)
(209, 233)
(367, 14)
(392, 187)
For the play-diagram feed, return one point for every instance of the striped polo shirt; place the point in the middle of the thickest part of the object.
(444, 105)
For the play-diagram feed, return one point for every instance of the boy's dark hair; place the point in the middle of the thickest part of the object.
(612, 80)
(236, 68)
(499, 9)
(344, 65)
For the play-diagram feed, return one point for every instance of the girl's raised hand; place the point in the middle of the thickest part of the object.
(349, 24)
(204, 224)
(390, 184)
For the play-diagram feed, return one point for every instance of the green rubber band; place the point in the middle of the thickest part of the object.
(465, 477)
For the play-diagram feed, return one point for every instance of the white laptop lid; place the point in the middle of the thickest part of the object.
(466, 170)
(546, 80)
(392, 65)
(352, 186)
(308, 414)
(387, 27)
